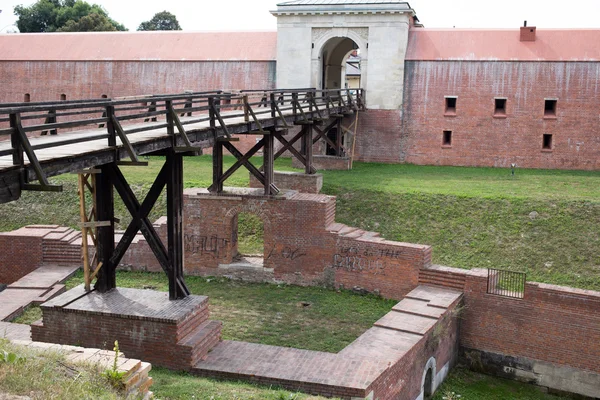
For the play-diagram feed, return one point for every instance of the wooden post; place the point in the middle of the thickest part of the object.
(338, 138)
(105, 211)
(307, 141)
(84, 232)
(15, 140)
(268, 161)
(217, 167)
(110, 126)
(177, 289)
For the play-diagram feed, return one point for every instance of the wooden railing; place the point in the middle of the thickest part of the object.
(107, 119)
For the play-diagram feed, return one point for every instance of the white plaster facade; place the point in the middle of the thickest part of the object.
(380, 30)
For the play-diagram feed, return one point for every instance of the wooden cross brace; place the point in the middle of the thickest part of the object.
(140, 222)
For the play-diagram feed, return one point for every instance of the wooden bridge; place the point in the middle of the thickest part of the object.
(94, 137)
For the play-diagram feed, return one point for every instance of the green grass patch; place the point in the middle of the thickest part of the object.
(47, 375)
(543, 222)
(275, 314)
(471, 385)
(169, 385)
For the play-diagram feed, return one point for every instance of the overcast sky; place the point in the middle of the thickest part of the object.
(228, 15)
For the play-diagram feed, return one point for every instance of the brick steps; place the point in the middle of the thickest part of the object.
(441, 278)
(59, 248)
(202, 339)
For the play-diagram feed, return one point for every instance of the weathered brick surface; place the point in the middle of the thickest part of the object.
(555, 324)
(385, 360)
(300, 182)
(479, 138)
(47, 80)
(173, 334)
(302, 243)
(325, 163)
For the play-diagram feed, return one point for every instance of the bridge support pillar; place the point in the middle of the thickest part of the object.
(105, 211)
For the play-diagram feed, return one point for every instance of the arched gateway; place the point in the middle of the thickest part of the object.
(314, 40)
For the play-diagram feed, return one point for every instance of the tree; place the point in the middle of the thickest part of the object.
(162, 21)
(64, 16)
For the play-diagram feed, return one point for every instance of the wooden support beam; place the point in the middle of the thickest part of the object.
(105, 211)
(177, 287)
(307, 145)
(268, 162)
(217, 157)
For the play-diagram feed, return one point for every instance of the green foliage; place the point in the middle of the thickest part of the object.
(112, 374)
(251, 232)
(46, 374)
(162, 21)
(10, 357)
(64, 16)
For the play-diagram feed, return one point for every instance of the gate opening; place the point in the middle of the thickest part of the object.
(249, 247)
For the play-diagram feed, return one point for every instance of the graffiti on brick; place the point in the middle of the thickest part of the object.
(206, 245)
(287, 253)
(370, 260)
(356, 263)
(371, 252)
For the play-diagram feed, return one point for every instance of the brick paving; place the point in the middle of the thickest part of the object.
(129, 303)
(34, 288)
(348, 373)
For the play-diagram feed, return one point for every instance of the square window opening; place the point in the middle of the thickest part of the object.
(450, 105)
(500, 106)
(447, 138)
(547, 142)
(550, 108)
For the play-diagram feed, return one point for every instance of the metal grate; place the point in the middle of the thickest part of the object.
(506, 283)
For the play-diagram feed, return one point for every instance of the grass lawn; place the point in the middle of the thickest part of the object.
(471, 385)
(545, 223)
(48, 375)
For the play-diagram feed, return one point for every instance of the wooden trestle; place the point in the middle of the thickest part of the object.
(172, 126)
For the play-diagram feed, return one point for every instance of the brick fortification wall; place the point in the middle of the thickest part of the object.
(551, 337)
(24, 250)
(302, 243)
(47, 80)
(479, 138)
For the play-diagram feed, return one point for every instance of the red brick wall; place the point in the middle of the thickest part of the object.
(47, 80)
(21, 252)
(553, 324)
(302, 244)
(378, 136)
(19, 255)
(403, 379)
(479, 139)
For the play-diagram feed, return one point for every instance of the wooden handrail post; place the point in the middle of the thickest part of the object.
(295, 104)
(15, 121)
(110, 126)
(211, 114)
(246, 111)
(273, 107)
(170, 121)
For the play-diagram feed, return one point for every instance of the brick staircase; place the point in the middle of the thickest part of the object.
(176, 334)
(62, 247)
(443, 277)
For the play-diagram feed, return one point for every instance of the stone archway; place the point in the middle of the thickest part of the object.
(379, 28)
(428, 382)
(332, 46)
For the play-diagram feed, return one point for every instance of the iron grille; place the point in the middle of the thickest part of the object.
(506, 283)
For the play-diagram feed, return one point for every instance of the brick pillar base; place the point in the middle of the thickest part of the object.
(174, 334)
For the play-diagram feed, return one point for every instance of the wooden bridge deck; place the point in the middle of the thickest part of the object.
(206, 121)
